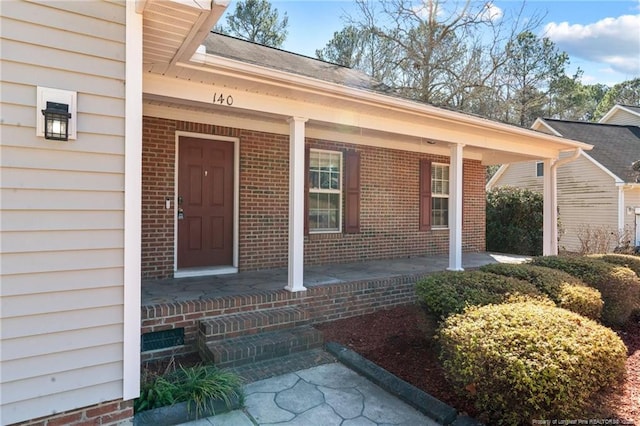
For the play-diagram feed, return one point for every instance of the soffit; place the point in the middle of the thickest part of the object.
(175, 28)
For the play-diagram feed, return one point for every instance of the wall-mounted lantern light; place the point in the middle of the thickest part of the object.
(57, 114)
(56, 121)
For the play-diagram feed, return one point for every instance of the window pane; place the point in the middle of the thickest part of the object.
(335, 180)
(440, 179)
(333, 201)
(314, 179)
(440, 211)
(333, 219)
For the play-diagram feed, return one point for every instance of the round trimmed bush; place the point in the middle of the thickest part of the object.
(618, 285)
(526, 360)
(446, 293)
(565, 290)
(583, 300)
(630, 261)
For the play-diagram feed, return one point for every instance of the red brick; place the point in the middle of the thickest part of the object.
(66, 419)
(102, 409)
(389, 200)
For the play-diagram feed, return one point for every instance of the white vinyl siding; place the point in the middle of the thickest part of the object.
(622, 117)
(587, 195)
(62, 210)
(632, 201)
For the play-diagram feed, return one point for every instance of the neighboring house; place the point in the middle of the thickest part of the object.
(599, 192)
(234, 157)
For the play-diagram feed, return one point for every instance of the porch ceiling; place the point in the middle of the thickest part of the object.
(175, 28)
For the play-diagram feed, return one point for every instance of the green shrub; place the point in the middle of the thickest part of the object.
(450, 292)
(514, 221)
(618, 285)
(628, 260)
(565, 290)
(526, 360)
(196, 385)
(583, 300)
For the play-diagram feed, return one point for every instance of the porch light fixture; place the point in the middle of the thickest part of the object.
(57, 114)
(56, 121)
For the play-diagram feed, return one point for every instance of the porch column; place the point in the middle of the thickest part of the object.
(455, 208)
(550, 210)
(296, 204)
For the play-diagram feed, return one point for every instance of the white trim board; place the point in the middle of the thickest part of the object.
(132, 205)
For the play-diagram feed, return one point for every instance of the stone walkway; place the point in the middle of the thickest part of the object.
(326, 395)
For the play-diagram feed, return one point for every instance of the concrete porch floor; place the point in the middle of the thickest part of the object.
(197, 288)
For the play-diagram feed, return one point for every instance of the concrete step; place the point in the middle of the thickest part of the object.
(251, 322)
(258, 347)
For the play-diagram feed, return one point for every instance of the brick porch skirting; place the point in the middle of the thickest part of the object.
(323, 303)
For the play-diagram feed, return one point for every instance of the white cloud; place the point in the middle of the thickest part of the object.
(611, 41)
(492, 12)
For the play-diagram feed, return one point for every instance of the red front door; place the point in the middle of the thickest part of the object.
(205, 203)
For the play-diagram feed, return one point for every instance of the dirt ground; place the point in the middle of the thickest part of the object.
(398, 340)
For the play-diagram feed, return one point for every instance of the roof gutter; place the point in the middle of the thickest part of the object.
(561, 162)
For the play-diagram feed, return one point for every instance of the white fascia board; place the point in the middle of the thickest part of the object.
(541, 123)
(235, 68)
(494, 179)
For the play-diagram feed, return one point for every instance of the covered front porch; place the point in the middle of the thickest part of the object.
(186, 305)
(176, 290)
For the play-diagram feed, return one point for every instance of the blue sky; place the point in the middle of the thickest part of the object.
(602, 37)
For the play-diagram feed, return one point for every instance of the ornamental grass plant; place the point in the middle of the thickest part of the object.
(197, 385)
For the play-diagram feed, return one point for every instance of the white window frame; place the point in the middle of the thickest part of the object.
(327, 191)
(539, 169)
(435, 195)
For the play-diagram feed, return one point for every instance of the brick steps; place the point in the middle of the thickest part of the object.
(251, 322)
(262, 346)
(247, 337)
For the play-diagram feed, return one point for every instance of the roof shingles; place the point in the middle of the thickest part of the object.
(616, 147)
(241, 50)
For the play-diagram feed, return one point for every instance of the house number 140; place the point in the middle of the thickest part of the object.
(222, 99)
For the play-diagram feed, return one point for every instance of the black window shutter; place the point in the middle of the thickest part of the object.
(425, 195)
(352, 193)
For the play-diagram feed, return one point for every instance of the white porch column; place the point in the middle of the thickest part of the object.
(296, 204)
(550, 210)
(455, 208)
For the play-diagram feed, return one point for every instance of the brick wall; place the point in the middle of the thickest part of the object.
(107, 414)
(323, 303)
(389, 202)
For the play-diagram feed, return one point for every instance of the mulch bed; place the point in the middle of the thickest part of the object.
(399, 341)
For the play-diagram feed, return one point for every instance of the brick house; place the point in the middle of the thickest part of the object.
(186, 160)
